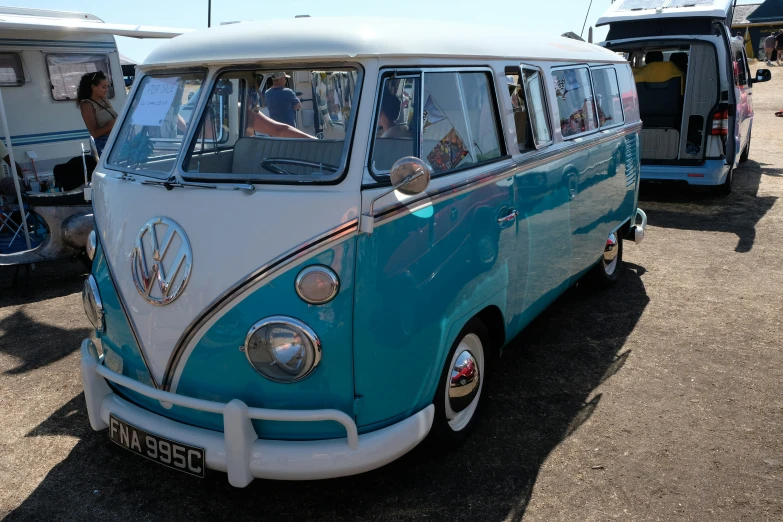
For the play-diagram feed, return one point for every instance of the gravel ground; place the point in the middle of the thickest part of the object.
(658, 399)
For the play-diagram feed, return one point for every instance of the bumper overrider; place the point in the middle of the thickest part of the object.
(636, 230)
(237, 450)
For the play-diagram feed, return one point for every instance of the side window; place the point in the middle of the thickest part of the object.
(65, 71)
(534, 87)
(456, 117)
(527, 101)
(574, 101)
(740, 68)
(607, 97)
(11, 70)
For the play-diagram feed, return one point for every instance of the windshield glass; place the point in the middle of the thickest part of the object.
(274, 125)
(152, 133)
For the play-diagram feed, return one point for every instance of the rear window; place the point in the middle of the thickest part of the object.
(11, 70)
(65, 71)
(574, 101)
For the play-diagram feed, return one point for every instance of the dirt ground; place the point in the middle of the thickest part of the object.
(659, 399)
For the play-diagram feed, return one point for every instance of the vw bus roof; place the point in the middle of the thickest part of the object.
(21, 19)
(629, 10)
(319, 38)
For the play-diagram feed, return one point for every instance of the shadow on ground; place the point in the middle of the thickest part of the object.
(541, 392)
(679, 206)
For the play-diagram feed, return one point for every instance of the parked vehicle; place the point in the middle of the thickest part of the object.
(43, 55)
(296, 308)
(694, 87)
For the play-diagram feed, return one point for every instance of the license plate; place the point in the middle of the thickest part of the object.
(171, 454)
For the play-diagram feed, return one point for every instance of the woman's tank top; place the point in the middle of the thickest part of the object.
(104, 112)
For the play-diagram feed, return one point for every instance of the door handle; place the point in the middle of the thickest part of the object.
(510, 217)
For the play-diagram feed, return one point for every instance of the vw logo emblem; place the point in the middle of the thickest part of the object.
(161, 268)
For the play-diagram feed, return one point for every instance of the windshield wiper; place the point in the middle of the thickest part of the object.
(172, 183)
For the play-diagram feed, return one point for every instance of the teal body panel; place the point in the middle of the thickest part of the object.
(218, 370)
(117, 335)
(417, 275)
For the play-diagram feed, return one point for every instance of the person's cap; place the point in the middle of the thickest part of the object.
(279, 74)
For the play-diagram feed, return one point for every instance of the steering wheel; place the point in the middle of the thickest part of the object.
(271, 164)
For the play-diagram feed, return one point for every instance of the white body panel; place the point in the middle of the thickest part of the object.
(619, 11)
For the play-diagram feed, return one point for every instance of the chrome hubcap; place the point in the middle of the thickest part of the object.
(610, 254)
(464, 386)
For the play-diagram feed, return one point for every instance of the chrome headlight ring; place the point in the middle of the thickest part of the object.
(282, 349)
(93, 306)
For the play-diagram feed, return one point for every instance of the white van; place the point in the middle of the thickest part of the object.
(694, 87)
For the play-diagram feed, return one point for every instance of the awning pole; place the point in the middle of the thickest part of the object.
(7, 135)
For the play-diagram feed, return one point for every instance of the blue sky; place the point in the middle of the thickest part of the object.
(552, 17)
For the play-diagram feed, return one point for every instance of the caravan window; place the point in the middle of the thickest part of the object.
(574, 101)
(65, 71)
(11, 70)
(452, 124)
(298, 129)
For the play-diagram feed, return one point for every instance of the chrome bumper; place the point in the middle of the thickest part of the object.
(237, 450)
(636, 231)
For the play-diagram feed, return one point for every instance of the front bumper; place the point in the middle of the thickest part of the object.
(237, 450)
(636, 230)
(711, 172)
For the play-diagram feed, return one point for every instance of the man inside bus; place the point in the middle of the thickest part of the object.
(390, 112)
(282, 101)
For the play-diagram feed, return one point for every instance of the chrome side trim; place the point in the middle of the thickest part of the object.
(529, 161)
(124, 307)
(274, 267)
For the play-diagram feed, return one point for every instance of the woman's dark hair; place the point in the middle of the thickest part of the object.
(85, 85)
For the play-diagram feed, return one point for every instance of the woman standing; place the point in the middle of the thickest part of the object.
(97, 112)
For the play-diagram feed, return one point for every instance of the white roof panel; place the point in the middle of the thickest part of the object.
(350, 38)
(627, 10)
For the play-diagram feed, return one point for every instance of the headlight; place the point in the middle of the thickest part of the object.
(93, 306)
(91, 245)
(282, 349)
(317, 284)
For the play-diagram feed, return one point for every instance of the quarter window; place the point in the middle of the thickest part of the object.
(530, 115)
(11, 70)
(65, 71)
(452, 124)
(607, 97)
(574, 101)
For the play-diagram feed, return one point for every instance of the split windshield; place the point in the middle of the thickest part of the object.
(286, 125)
(151, 135)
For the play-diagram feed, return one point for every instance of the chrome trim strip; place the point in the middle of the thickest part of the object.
(124, 307)
(530, 161)
(270, 269)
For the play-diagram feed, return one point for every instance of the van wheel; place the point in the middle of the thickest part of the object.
(607, 271)
(725, 188)
(746, 152)
(457, 400)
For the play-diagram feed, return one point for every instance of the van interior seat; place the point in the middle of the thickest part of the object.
(249, 152)
(385, 151)
(680, 59)
(660, 87)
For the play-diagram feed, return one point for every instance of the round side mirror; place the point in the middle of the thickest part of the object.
(410, 175)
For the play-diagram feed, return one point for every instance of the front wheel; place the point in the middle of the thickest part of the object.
(458, 397)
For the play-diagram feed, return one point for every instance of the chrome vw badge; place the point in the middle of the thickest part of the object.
(161, 268)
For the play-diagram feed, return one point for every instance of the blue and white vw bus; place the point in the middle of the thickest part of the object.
(308, 275)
